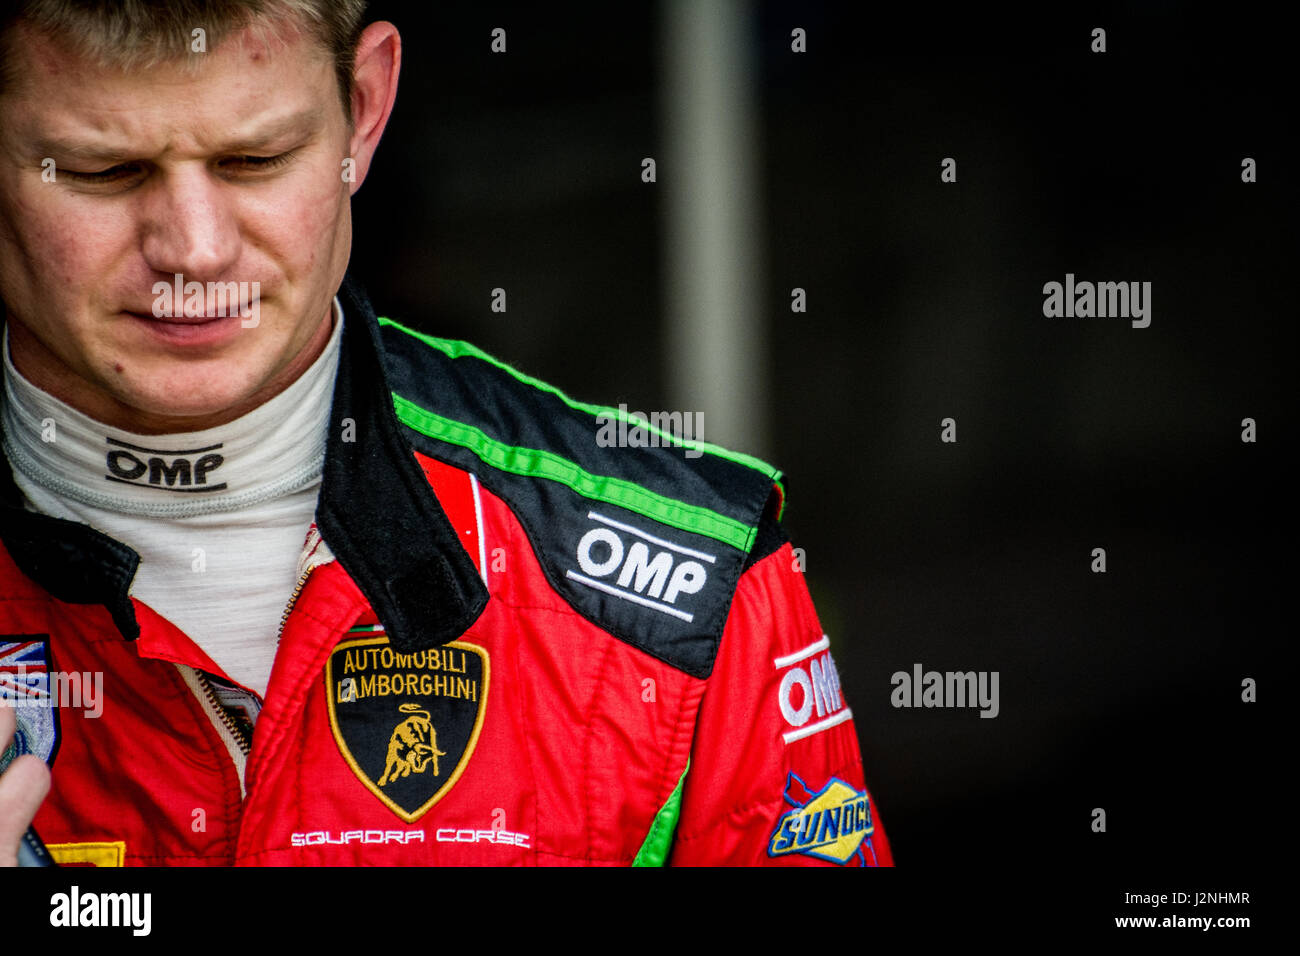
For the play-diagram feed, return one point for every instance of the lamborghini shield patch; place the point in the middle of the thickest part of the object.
(406, 723)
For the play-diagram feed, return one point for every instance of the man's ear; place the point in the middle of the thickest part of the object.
(374, 87)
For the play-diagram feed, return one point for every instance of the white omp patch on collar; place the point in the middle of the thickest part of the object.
(274, 450)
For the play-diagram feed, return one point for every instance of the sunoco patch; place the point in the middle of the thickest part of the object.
(406, 723)
(832, 824)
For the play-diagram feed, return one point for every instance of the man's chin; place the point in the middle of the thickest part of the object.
(172, 404)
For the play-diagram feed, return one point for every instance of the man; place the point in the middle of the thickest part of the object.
(500, 643)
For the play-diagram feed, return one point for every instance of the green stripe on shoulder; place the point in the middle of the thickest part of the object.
(455, 349)
(533, 462)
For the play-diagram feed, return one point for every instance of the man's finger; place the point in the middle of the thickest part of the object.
(23, 786)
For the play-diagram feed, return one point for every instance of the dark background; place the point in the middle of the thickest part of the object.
(1118, 690)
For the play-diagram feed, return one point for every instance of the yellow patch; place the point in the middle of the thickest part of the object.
(88, 854)
(831, 825)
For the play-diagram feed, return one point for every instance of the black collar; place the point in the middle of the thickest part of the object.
(375, 511)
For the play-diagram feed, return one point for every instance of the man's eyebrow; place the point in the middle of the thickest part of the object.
(254, 139)
(76, 150)
(294, 124)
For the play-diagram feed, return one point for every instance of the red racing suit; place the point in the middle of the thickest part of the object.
(526, 631)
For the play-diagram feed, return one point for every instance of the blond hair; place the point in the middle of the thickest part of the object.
(135, 34)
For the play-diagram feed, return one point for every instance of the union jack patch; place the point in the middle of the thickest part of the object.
(25, 686)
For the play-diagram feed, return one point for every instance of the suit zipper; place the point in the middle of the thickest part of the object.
(245, 745)
(232, 735)
(293, 599)
(237, 746)
(205, 686)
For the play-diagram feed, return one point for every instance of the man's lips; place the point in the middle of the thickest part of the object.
(173, 319)
(188, 332)
(147, 314)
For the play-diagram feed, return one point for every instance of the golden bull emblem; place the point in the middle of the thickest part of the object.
(413, 746)
(406, 723)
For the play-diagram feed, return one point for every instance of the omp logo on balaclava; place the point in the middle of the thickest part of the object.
(188, 469)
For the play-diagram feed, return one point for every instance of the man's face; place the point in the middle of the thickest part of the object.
(230, 173)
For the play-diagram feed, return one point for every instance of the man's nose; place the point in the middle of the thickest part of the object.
(190, 225)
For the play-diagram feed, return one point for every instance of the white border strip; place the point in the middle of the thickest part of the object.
(649, 537)
(808, 651)
(478, 522)
(793, 735)
(601, 586)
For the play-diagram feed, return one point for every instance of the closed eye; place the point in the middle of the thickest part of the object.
(126, 171)
(257, 162)
(112, 174)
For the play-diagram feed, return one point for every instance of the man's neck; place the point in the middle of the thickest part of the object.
(259, 457)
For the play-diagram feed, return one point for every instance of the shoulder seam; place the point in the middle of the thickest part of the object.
(455, 349)
(537, 463)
